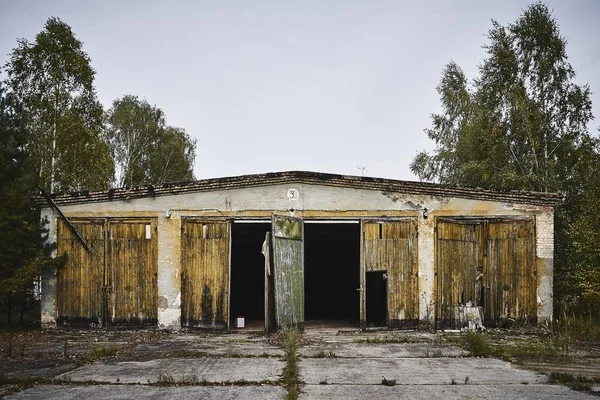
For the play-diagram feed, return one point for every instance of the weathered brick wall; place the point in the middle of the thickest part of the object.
(545, 235)
(545, 263)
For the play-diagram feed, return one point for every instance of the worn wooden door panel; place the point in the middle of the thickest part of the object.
(80, 281)
(458, 255)
(391, 246)
(205, 274)
(269, 286)
(510, 273)
(288, 270)
(132, 271)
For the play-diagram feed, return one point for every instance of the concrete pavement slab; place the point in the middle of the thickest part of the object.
(244, 349)
(391, 350)
(434, 392)
(126, 392)
(414, 371)
(180, 369)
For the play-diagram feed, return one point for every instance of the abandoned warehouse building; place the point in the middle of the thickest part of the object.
(288, 248)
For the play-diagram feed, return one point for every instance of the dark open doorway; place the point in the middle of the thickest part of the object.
(376, 298)
(331, 272)
(247, 293)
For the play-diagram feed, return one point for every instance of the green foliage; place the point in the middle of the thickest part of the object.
(522, 124)
(22, 255)
(51, 80)
(145, 149)
(478, 344)
(569, 328)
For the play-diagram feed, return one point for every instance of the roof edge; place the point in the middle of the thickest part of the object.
(307, 177)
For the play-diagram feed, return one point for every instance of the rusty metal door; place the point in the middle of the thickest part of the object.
(392, 246)
(132, 271)
(288, 270)
(458, 255)
(205, 256)
(79, 283)
(510, 273)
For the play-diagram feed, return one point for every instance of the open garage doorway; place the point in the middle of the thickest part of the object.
(247, 292)
(331, 274)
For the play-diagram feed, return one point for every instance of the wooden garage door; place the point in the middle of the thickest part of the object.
(392, 247)
(79, 282)
(132, 271)
(205, 274)
(510, 273)
(458, 256)
(504, 249)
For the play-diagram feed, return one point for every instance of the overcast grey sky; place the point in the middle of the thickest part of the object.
(294, 85)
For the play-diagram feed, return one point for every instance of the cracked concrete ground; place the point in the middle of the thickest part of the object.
(332, 365)
(126, 392)
(345, 369)
(179, 370)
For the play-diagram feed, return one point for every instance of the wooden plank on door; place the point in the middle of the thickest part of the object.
(510, 273)
(79, 282)
(269, 286)
(132, 271)
(457, 259)
(288, 270)
(205, 274)
(392, 246)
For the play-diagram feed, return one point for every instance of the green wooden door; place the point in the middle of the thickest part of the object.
(288, 270)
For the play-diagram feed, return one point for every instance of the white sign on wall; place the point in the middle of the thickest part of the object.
(293, 194)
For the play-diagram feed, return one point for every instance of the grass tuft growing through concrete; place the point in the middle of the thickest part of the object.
(291, 338)
(481, 345)
(324, 354)
(575, 382)
(104, 351)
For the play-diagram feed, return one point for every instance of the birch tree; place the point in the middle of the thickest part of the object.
(517, 125)
(52, 80)
(145, 149)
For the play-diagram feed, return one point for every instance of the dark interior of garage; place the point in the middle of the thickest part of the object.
(376, 282)
(331, 271)
(248, 273)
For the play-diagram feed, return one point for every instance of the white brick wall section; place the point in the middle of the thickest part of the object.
(545, 235)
